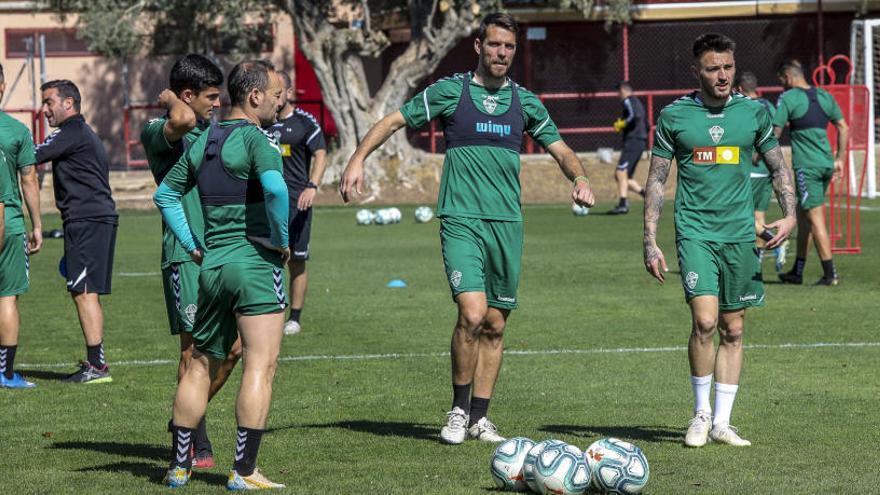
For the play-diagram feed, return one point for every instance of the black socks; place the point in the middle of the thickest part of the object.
(181, 447)
(828, 269)
(7, 359)
(247, 445)
(461, 397)
(295, 314)
(95, 355)
(479, 409)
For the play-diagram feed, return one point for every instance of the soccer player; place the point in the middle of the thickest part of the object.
(762, 186)
(485, 115)
(301, 139)
(633, 126)
(17, 145)
(711, 134)
(236, 168)
(190, 102)
(81, 178)
(807, 111)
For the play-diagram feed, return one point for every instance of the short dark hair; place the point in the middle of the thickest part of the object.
(714, 42)
(246, 77)
(505, 21)
(194, 72)
(624, 85)
(66, 89)
(748, 82)
(284, 75)
(791, 64)
(2, 78)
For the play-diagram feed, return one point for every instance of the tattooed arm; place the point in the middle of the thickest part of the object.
(655, 263)
(784, 186)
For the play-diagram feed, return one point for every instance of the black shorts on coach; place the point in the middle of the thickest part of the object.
(630, 155)
(89, 246)
(299, 229)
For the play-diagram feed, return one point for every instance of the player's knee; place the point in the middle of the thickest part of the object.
(492, 330)
(704, 326)
(471, 319)
(732, 335)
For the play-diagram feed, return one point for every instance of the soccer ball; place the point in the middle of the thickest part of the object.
(395, 214)
(561, 470)
(382, 216)
(424, 214)
(507, 464)
(617, 466)
(364, 217)
(579, 211)
(532, 457)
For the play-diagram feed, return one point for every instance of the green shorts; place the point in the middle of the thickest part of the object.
(482, 256)
(762, 190)
(729, 271)
(811, 184)
(14, 266)
(181, 284)
(234, 288)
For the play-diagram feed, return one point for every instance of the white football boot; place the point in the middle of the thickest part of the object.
(484, 430)
(727, 434)
(292, 328)
(698, 429)
(455, 430)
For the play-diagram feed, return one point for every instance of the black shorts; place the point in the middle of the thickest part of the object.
(630, 156)
(89, 246)
(299, 229)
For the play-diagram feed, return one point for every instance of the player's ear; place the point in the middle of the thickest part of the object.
(695, 71)
(478, 45)
(187, 96)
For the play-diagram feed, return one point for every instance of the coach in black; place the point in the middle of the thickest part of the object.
(80, 174)
(633, 124)
(300, 138)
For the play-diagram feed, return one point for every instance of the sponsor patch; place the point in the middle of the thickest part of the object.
(716, 155)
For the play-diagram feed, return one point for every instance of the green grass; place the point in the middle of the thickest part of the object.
(369, 425)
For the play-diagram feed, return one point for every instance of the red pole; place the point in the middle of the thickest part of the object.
(625, 36)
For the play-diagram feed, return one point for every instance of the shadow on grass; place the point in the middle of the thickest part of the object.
(142, 450)
(642, 433)
(44, 375)
(152, 472)
(385, 429)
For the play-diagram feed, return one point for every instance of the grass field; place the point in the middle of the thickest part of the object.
(596, 349)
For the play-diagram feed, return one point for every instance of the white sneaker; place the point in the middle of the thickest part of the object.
(727, 434)
(781, 254)
(485, 431)
(698, 430)
(456, 427)
(292, 328)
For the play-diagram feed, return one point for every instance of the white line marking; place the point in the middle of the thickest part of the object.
(511, 352)
(138, 274)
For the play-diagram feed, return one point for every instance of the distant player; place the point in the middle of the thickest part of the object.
(17, 144)
(807, 111)
(81, 177)
(762, 186)
(190, 102)
(236, 168)
(712, 134)
(485, 115)
(633, 126)
(301, 140)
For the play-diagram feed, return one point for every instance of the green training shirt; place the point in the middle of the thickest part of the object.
(760, 169)
(480, 181)
(18, 146)
(247, 153)
(161, 155)
(713, 148)
(809, 147)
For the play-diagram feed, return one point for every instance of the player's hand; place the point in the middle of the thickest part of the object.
(35, 241)
(285, 256)
(838, 168)
(306, 198)
(619, 125)
(582, 194)
(783, 227)
(655, 263)
(352, 179)
(166, 98)
(197, 256)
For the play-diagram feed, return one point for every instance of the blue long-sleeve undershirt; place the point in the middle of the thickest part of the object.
(168, 201)
(277, 206)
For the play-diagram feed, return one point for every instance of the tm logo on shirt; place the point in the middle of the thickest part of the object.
(490, 128)
(717, 155)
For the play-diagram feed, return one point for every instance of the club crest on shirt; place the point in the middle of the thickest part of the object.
(191, 313)
(455, 279)
(716, 132)
(490, 103)
(691, 280)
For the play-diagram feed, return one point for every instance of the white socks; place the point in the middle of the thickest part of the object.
(724, 396)
(702, 385)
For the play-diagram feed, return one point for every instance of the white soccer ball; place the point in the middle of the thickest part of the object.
(364, 217)
(617, 466)
(531, 457)
(579, 211)
(424, 214)
(506, 464)
(561, 470)
(382, 216)
(395, 214)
